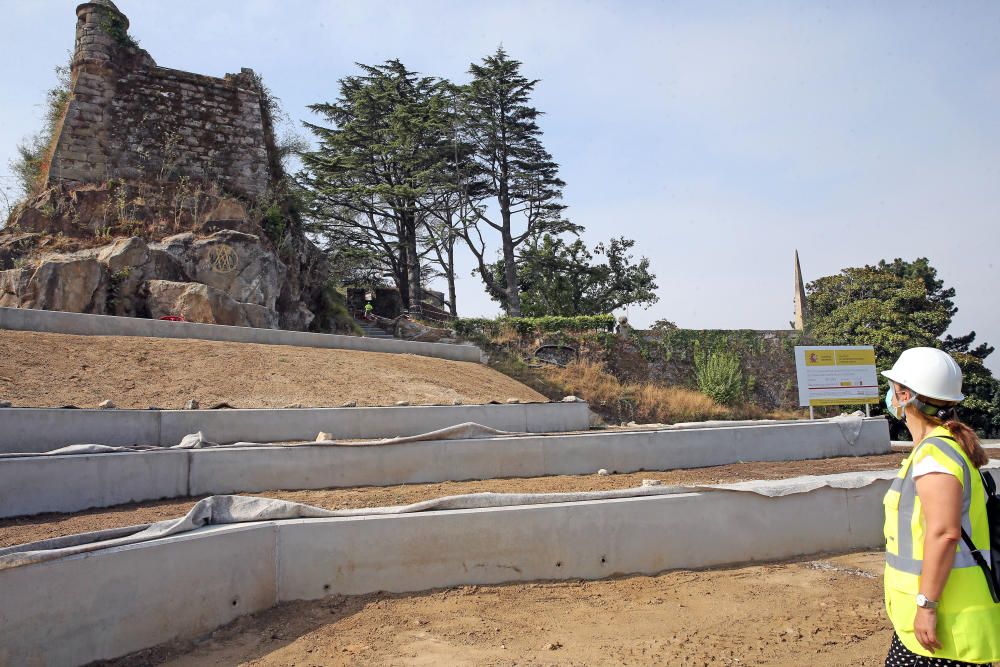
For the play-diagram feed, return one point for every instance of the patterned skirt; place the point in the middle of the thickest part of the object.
(900, 656)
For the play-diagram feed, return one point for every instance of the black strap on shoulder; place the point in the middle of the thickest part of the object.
(981, 562)
(992, 577)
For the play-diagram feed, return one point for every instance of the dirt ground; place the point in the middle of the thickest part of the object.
(45, 526)
(51, 370)
(817, 612)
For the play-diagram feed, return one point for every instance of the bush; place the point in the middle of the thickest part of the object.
(719, 376)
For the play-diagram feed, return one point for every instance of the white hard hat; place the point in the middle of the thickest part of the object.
(929, 372)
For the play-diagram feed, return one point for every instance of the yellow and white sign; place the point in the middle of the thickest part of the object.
(836, 375)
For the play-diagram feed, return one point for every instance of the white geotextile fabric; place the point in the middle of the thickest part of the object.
(466, 431)
(850, 428)
(850, 425)
(229, 509)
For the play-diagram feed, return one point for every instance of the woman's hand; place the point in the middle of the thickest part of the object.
(925, 628)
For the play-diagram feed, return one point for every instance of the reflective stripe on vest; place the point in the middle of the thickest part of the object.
(906, 486)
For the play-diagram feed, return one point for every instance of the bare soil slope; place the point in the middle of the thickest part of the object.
(45, 526)
(825, 612)
(50, 370)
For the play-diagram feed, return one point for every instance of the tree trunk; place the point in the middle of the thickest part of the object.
(412, 265)
(450, 247)
(402, 279)
(509, 262)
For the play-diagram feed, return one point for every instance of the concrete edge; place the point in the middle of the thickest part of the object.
(83, 324)
(44, 429)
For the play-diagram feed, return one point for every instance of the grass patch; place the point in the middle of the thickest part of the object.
(638, 402)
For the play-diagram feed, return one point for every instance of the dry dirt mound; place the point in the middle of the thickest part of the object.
(50, 370)
(817, 612)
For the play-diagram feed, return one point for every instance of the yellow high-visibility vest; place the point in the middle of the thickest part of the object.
(968, 621)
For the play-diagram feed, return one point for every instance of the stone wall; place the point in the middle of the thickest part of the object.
(667, 356)
(129, 118)
(163, 198)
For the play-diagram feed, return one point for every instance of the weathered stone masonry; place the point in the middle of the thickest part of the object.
(163, 196)
(129, 118)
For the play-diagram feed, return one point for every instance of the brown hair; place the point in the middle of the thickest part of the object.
(947, 416)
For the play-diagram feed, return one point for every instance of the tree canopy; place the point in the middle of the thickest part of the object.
(897, 305)
(560, 278)
(376, 168)
(520, 178)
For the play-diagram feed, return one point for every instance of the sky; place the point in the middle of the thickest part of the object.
(721, 136)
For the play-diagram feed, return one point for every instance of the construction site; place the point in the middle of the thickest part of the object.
(477, 523)
(213, 453)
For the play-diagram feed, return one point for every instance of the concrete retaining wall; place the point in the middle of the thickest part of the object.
(45, 429)
(52, 321)
(73, 483)
(111, 602)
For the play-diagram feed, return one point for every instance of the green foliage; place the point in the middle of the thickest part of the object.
(332, 314)
(557, 278)
(981, 407)
(874, 306)
(34, 152)
(273, 222)
(898, 305)
(719, 376)
(115, 26)
(521, 178)
(377, 166)
(526, 326)
(683, 344)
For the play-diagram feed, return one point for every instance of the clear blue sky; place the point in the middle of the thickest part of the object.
(720, 135)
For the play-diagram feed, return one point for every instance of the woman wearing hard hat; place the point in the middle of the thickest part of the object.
(936, 594)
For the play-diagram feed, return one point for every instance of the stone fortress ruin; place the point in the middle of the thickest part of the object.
(161, 195)
(130, 118)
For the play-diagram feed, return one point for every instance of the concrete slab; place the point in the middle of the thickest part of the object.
(51, 321)
(589, 540)
(73, 483)
(45, 429)
(103, 605)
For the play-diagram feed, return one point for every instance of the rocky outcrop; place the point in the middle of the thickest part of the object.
(59, 282)
(197, 302)
(230, 261)
(229, 277)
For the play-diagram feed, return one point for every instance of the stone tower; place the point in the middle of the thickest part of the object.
(128, 118)
(800, 296)
(101, 29)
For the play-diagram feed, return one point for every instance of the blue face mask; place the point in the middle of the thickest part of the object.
(893, 410)
(890, 409)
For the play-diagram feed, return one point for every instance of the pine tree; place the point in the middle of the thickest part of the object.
(376, 168)
(521, 178)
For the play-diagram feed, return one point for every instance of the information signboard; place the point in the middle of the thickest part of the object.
(836, 375)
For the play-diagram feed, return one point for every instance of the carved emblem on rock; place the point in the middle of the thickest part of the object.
(223, 259)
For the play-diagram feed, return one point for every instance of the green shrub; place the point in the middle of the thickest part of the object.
(719, 376)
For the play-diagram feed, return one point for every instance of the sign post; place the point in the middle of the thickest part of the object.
(836, 375)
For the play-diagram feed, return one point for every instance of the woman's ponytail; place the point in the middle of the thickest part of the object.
(969, 441)
(947, 416)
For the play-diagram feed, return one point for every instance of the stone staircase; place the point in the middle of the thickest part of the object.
(371, 331)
